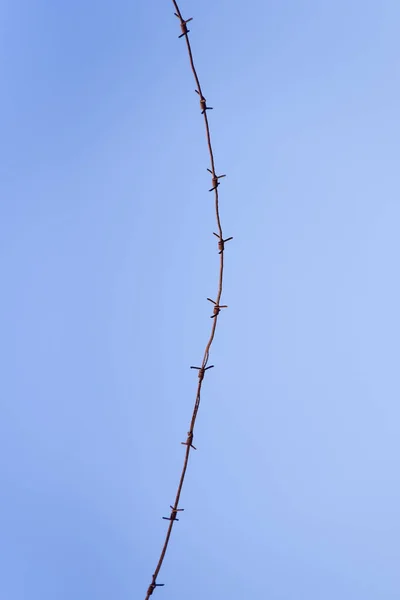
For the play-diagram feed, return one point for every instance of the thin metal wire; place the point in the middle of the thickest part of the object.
(217, 306)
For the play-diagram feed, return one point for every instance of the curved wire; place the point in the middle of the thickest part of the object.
(204, 365)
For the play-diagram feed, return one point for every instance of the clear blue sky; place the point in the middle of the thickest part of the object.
(107, 257)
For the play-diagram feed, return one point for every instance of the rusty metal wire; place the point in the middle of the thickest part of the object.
(216, 306)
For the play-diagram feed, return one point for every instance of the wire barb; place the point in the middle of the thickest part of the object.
(152, 587)
(189, 441)
(174, 512)
(217, 308)
(214, 180)
(203, 103)
(202, 371)
(184, 23)
(221, 243)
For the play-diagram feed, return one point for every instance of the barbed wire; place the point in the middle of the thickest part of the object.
(204, 367)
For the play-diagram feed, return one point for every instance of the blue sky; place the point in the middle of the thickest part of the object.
(107, 257)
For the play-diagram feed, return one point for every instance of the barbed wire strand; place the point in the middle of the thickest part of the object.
(216, 308)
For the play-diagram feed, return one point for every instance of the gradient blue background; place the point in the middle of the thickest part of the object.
(107, 256)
